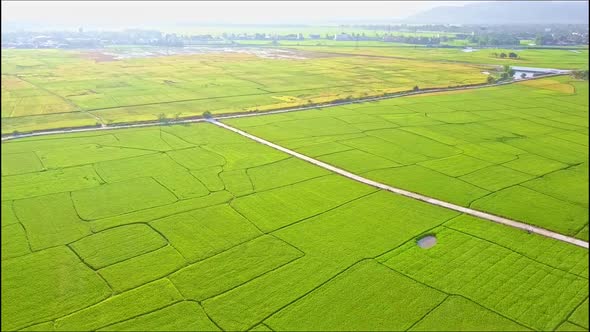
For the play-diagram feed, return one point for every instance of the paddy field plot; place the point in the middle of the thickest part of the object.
(233, 235)
(542, 58)
(518, 151)
(44, 89)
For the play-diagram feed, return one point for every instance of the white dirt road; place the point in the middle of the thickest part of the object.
(430, 200)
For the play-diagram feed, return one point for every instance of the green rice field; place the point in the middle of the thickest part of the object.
(47, 89)
(544, 58)
(519, 151)
(192, 227)
(197, 228)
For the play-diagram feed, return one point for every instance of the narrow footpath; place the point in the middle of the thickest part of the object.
(429, 200)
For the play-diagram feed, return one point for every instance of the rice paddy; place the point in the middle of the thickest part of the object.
(543, 58)
(513, 151)
(45, 89)
(196, 228)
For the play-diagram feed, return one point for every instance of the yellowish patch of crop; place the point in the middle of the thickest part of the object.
(550, 84)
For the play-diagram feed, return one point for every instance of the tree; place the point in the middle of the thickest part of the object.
(512, 55)
(503, 55)
(490, 79)
(176, 117)
(416, 88)
(15, 133)
(580, 74)
(508, 70)
(207, 115)
(162, 118)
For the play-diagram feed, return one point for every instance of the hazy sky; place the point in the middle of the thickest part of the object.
(126, 13)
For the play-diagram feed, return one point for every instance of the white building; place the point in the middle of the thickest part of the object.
(342, 36)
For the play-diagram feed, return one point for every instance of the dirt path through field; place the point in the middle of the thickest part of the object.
(429, 200)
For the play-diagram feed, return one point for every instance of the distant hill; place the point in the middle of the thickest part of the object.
(506, 12)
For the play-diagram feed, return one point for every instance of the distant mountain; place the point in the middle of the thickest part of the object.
(506, 12)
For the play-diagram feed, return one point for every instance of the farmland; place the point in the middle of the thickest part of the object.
(44, 89)
(545, 58)
(234, 235)
(518, 151)
(183, 227)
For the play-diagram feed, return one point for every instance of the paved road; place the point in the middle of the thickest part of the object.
(430, 200)
(295, 109)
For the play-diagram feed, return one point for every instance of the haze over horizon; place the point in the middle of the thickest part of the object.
(110, 14)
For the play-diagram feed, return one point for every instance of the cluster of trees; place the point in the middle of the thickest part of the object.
(494, 39)
(507, 73)
(503, 55)
(162, 118)
(580, 74)
(556, 38)
(418, 40)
